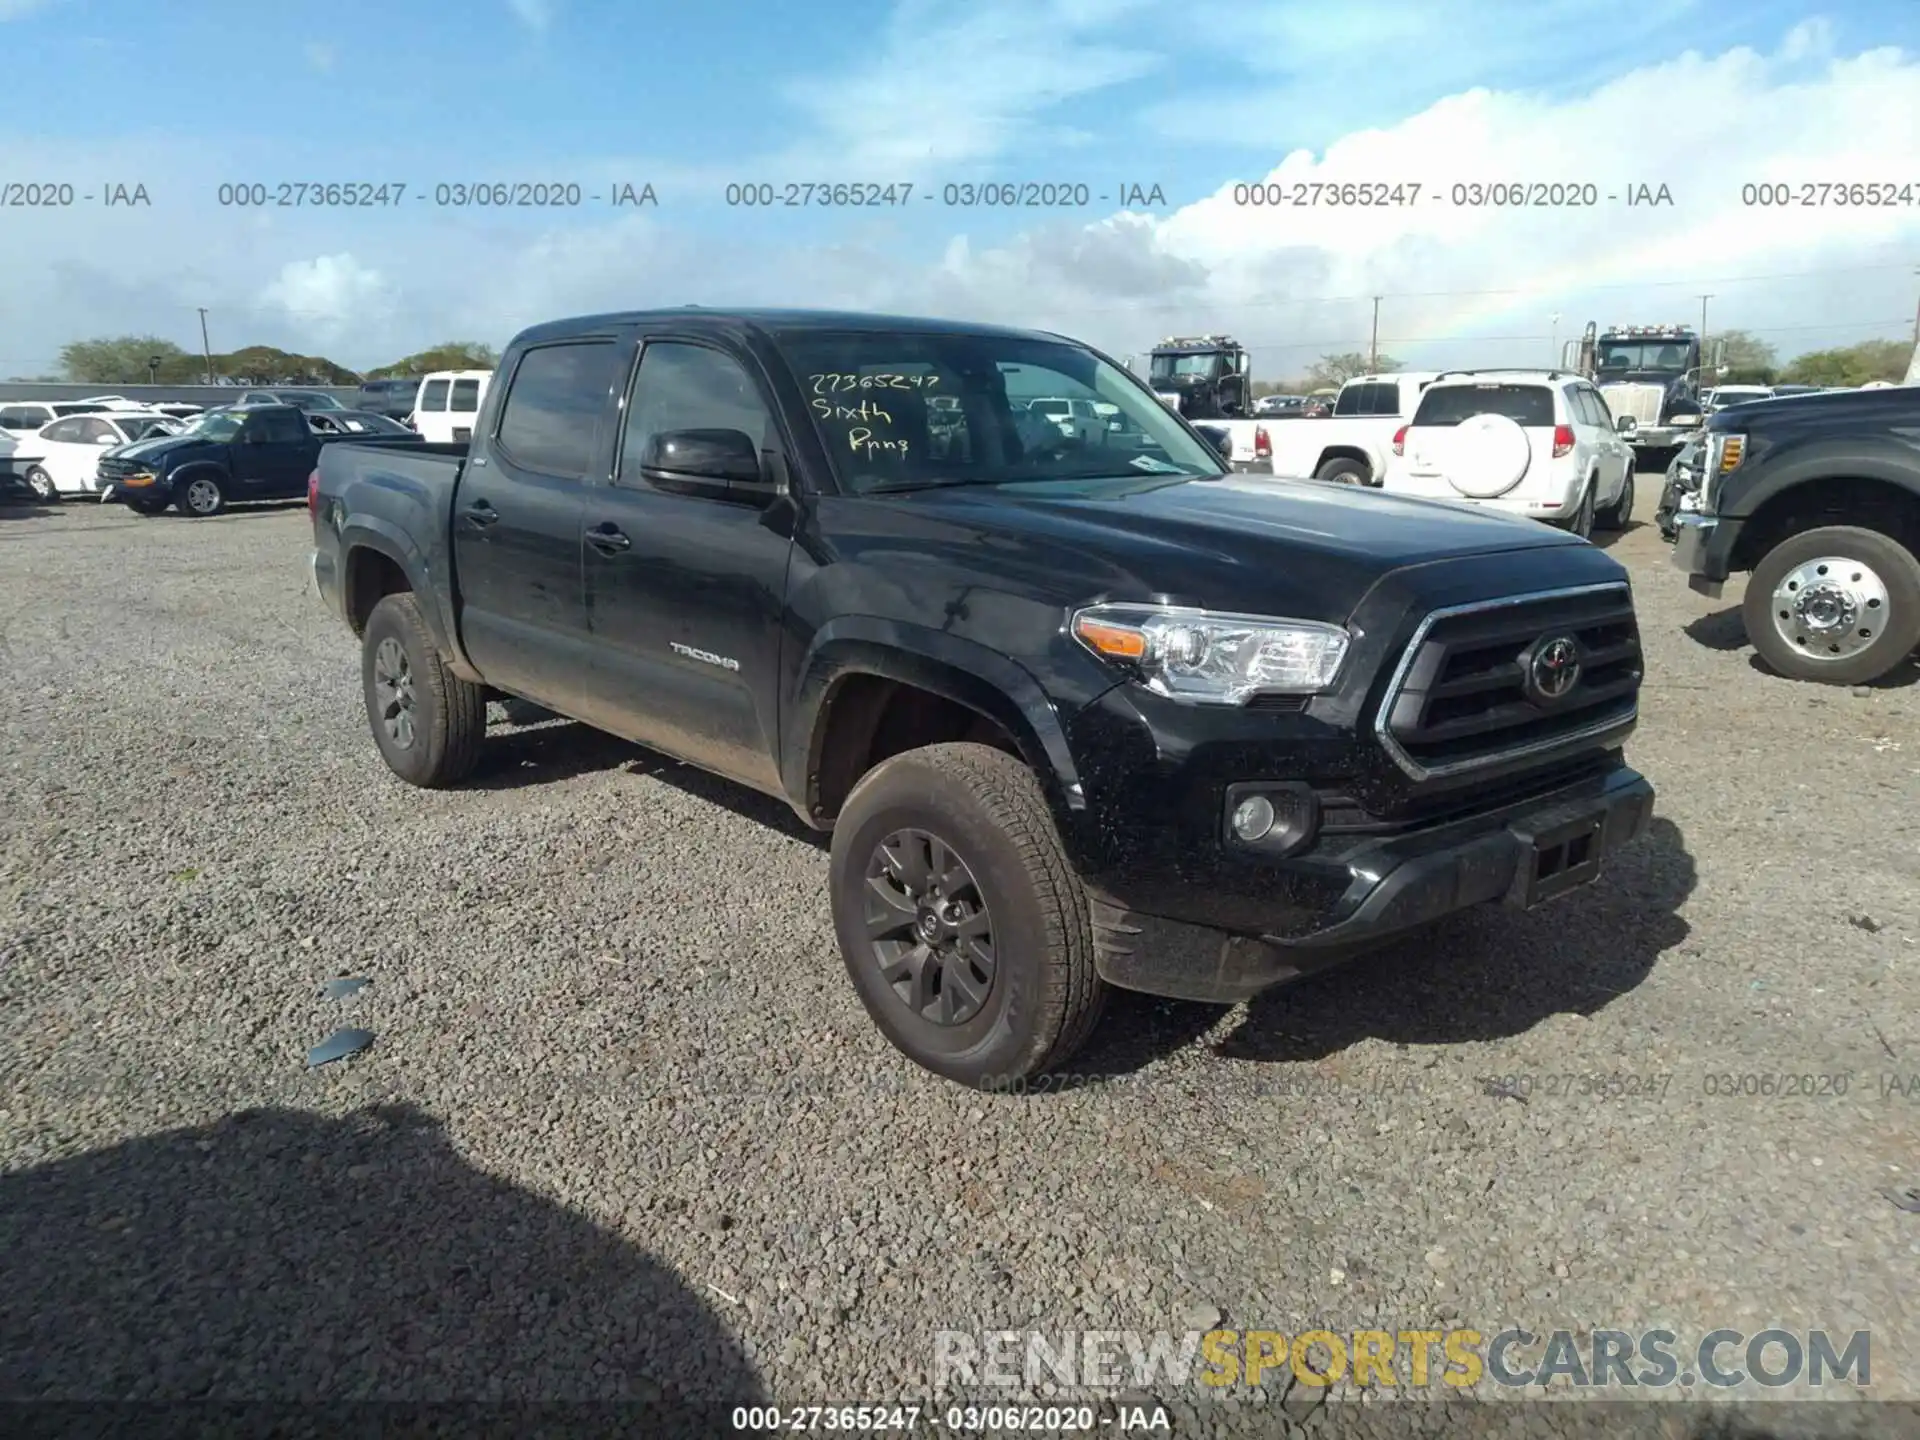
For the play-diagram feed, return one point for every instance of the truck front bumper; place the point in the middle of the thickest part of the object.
(1662, 437)
(1212, 947)
(1703, 548)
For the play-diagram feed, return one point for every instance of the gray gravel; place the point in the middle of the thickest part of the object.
(625, 1131)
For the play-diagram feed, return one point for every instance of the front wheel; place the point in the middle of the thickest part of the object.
(201, 497)
(962, 923)
(42, 486)
(1838, 605)
(428, 723)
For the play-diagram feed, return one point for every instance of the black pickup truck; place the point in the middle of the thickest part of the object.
(264, 452)
(1818, 496)
(1077, 712)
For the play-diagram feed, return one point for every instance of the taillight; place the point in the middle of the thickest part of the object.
(1400, 441)
(1562, 440)
(313, 493)
(1262, 443)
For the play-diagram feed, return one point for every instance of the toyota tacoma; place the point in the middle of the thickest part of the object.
(1078, 713)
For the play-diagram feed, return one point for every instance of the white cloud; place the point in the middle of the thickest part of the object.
(19, 9)
(1463, 285)
(321, 55)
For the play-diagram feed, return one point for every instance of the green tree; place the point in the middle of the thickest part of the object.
(450, 355)
(1338, 369)
(1745, 350)
(1852, 364)
(118, 360)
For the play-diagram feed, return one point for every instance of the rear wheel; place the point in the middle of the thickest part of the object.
(1344, 472)
(1616, 515)
(42, 486)
(428, 723)
(1581, 521)
(962, 923)
(1838, 605)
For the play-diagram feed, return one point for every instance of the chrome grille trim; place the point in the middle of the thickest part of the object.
(1416, 771)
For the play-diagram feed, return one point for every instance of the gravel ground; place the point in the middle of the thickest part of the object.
(625, 1131)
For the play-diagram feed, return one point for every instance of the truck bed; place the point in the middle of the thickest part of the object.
(400, 499)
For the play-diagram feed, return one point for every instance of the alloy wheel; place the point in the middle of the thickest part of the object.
(393, 684)
(928, 927)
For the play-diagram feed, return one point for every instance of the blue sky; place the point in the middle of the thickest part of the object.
(931, 92)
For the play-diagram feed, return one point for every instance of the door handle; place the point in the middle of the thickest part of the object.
(480, 515)
(608, 538)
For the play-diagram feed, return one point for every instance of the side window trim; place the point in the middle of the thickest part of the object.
(506, 399)
(748, 365)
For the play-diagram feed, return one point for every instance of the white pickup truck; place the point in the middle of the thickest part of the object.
(1351, 446)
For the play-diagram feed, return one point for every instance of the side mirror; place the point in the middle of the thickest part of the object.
(1626, 424)
(722, 463)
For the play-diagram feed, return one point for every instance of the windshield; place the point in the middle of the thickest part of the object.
(140, 429)
(869, 395)
(215, 425)
(1643, 355)
(1206, 366)
(1529, 406)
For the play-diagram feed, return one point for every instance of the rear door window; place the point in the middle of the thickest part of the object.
(1372, 398)
(433, 395)
(466, 397)
(1529, 406)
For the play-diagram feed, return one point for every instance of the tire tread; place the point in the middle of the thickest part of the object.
(459, 728)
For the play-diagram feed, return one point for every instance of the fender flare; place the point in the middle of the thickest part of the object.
(371, 532)
(1835, 460)
(945, 664)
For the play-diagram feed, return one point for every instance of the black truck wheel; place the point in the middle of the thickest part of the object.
(961, 921)
(428, 723)
(1838, 605)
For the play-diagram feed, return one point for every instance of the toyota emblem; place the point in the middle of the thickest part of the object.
(1555, 668)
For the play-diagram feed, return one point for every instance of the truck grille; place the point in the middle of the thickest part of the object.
(1642, 402)
(110, 468)
(1481, 684)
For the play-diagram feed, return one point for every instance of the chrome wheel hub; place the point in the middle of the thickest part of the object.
(1830, 608)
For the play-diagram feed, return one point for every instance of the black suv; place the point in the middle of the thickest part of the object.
(1080, 708)
(1819, 497)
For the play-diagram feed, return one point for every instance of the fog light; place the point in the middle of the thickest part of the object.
(1253, 817)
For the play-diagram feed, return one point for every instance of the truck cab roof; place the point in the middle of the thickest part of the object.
(772, 322)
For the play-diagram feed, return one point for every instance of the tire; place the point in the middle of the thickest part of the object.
(1043, 996)
(1581, 521)
(439, 741)
(42, 486)
(202, 497)
(1873, 578)
(1616, 515)
(1344, 472)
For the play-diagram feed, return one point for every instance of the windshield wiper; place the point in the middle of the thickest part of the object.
(907, 487)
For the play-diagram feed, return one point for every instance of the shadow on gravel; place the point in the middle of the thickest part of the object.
(22, 506)
(561, 750)
(278, 1254)
(1721, 630)
(1490, 974)
(1607, 539)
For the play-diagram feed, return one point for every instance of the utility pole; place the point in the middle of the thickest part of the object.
(1916, 317)
(1373, 345)
(205, 348)
(1553, 359)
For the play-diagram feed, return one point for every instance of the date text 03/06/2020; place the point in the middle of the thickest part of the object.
(967, 195)
(442, 195)
(1514, 194)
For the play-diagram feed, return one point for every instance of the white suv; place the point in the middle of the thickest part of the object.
(1536, 443)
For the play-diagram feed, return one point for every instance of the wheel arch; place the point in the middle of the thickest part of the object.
(853, 677)
(1887, 501)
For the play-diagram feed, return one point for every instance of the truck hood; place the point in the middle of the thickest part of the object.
(1247, 543)
(160, 448)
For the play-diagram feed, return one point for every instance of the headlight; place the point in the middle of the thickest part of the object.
(1725, 450)
(1210, 658)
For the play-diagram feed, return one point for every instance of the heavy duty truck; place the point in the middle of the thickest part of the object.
(1651, 373)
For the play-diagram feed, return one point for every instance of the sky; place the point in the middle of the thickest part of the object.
(1154, 126)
